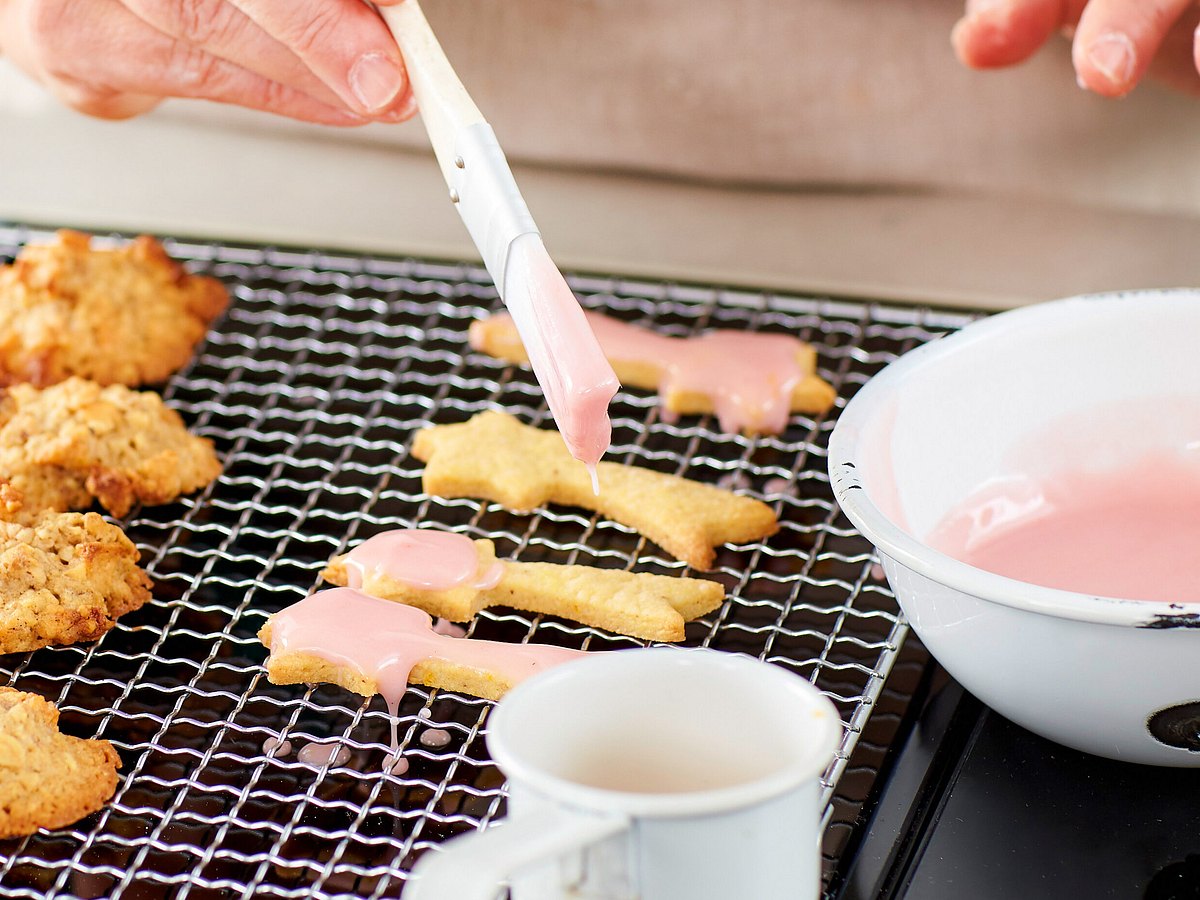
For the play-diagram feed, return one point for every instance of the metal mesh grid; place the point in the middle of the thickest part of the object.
(311, 388)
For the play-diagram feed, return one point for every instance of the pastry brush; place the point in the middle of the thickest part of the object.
(574, 375)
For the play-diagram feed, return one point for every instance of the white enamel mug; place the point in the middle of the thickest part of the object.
(659, 774)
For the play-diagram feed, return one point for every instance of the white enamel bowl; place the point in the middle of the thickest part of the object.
(1113, 378)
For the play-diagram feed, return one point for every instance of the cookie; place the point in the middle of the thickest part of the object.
(394, 566)
(47, 779)
(64, 577)
(495, 457)
(373, 646)
(128, 316)
(69, 444)
(752, 381)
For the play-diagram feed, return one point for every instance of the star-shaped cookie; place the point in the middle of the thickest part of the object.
(495, 457)
(651, 607)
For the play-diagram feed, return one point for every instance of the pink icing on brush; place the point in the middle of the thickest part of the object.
(383, 640)
(571, 367)
(749, 376)
(423, 559)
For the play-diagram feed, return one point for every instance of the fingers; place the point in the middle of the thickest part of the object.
(1116, 40)
(1174, 65)
(223, 30)
(995, 33)
(113, 65)
(345, 44)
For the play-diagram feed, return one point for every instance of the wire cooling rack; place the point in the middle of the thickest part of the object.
(312, 387)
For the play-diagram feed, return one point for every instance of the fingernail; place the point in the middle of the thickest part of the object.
(1112, 56)
(375, 80)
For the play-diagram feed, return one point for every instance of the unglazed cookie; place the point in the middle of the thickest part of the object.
(64, 577)
(47, 779)
(130, 315)
(390, 565)
(69, 444)
(495, 457)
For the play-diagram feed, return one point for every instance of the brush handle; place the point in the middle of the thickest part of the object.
(446, 107)
(481, 183)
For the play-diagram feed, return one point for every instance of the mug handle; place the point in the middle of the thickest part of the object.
(475, 866)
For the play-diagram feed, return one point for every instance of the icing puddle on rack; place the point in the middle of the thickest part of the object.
(323, 753)
(276, 746)
(435, 737)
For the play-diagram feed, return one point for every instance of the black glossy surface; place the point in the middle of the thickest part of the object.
(977, 807)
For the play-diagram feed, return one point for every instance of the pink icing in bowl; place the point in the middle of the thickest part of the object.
(1043, 393)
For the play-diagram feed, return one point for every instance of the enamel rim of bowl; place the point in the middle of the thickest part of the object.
(913, 554)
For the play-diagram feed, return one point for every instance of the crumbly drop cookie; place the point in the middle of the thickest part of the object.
(130, 316)
(74, 442)
(47, 779)
(64, 577)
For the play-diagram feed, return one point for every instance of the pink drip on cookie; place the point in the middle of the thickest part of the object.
(383, 640)
(421, 558)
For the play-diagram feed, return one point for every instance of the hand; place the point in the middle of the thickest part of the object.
(1114, 42)
(327, 61)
